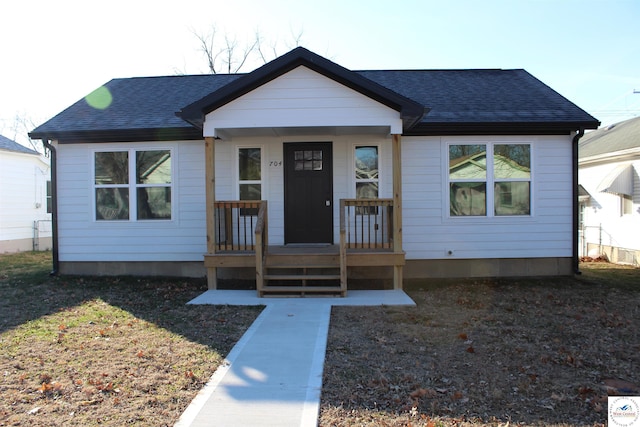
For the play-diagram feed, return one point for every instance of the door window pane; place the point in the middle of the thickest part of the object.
(307, 160)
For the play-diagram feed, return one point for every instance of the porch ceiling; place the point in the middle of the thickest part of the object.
(229, 133)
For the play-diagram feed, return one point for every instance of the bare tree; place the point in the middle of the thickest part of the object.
(230, 56)
(19, 130)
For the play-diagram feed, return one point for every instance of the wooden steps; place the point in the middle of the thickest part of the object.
(273, 277)
(301, 273)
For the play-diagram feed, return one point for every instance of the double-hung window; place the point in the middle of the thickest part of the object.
(492, 179)
(250, 176)
(366, 172)
(129, 181)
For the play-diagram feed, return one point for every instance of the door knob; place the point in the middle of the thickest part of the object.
(327, 202)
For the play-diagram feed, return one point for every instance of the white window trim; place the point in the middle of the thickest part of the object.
(263, 170)
(490, 216)
(352, 168)
(132, 185)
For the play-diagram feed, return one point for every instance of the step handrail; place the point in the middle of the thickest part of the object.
(261, 239)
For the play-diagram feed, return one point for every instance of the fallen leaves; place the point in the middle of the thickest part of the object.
(531, 353)
(87, 360)
(423, 392)
(50, 388)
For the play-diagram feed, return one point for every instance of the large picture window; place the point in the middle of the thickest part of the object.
(133, 181)
(481, 173)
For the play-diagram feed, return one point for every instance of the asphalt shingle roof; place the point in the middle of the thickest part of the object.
(611, 139)
(10, 145)
(491, 95)
(455, 98)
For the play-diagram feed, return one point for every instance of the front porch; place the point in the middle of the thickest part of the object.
(368, 238)
(369, 234)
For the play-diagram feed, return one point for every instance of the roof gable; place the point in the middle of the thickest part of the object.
(410, 111)
(300, 99)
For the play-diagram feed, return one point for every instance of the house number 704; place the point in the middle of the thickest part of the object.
(276, 163)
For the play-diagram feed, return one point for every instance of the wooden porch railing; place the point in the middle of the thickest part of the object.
(236, 223)
(262, 243)
(367, 223)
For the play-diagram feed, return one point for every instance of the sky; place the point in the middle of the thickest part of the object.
(55, 52)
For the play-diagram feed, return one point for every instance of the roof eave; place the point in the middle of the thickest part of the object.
(499, 128)
(120, 135)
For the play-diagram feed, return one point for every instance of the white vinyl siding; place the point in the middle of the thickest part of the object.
(82, 238)
(604, 222)
(301, 98)
(23, 198)
(430, 233)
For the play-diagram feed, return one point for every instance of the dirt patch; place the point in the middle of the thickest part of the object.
(530, 352)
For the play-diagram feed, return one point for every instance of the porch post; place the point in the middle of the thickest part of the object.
(397, 208)
(210, 198)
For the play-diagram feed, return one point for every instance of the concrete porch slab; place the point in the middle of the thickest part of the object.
(353, 298)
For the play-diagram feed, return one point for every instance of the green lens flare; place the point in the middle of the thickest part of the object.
(100, 99)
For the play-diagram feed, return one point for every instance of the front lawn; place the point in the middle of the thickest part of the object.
(105, 351)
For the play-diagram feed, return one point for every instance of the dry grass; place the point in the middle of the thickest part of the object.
(128, 351)
(105, 351)
(487, 352)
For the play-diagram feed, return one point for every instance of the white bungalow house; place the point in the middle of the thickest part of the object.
(609, 169)
(304, 176)
(25, 198)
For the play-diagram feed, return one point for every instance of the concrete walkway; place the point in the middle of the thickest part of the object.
(273, 375)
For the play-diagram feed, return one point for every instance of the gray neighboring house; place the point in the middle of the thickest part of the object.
(609, 169)
(304, 165)
(25, 199)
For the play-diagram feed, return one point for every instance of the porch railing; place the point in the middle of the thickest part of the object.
(236, 223)
(366, 223)
(261, 246)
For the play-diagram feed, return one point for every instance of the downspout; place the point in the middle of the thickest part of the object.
(54, 205)
(576, 207)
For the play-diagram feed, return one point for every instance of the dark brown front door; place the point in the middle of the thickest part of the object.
(308, 192)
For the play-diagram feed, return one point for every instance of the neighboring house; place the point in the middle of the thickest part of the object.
(305, 170)
(609, 166)
(25, 199)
